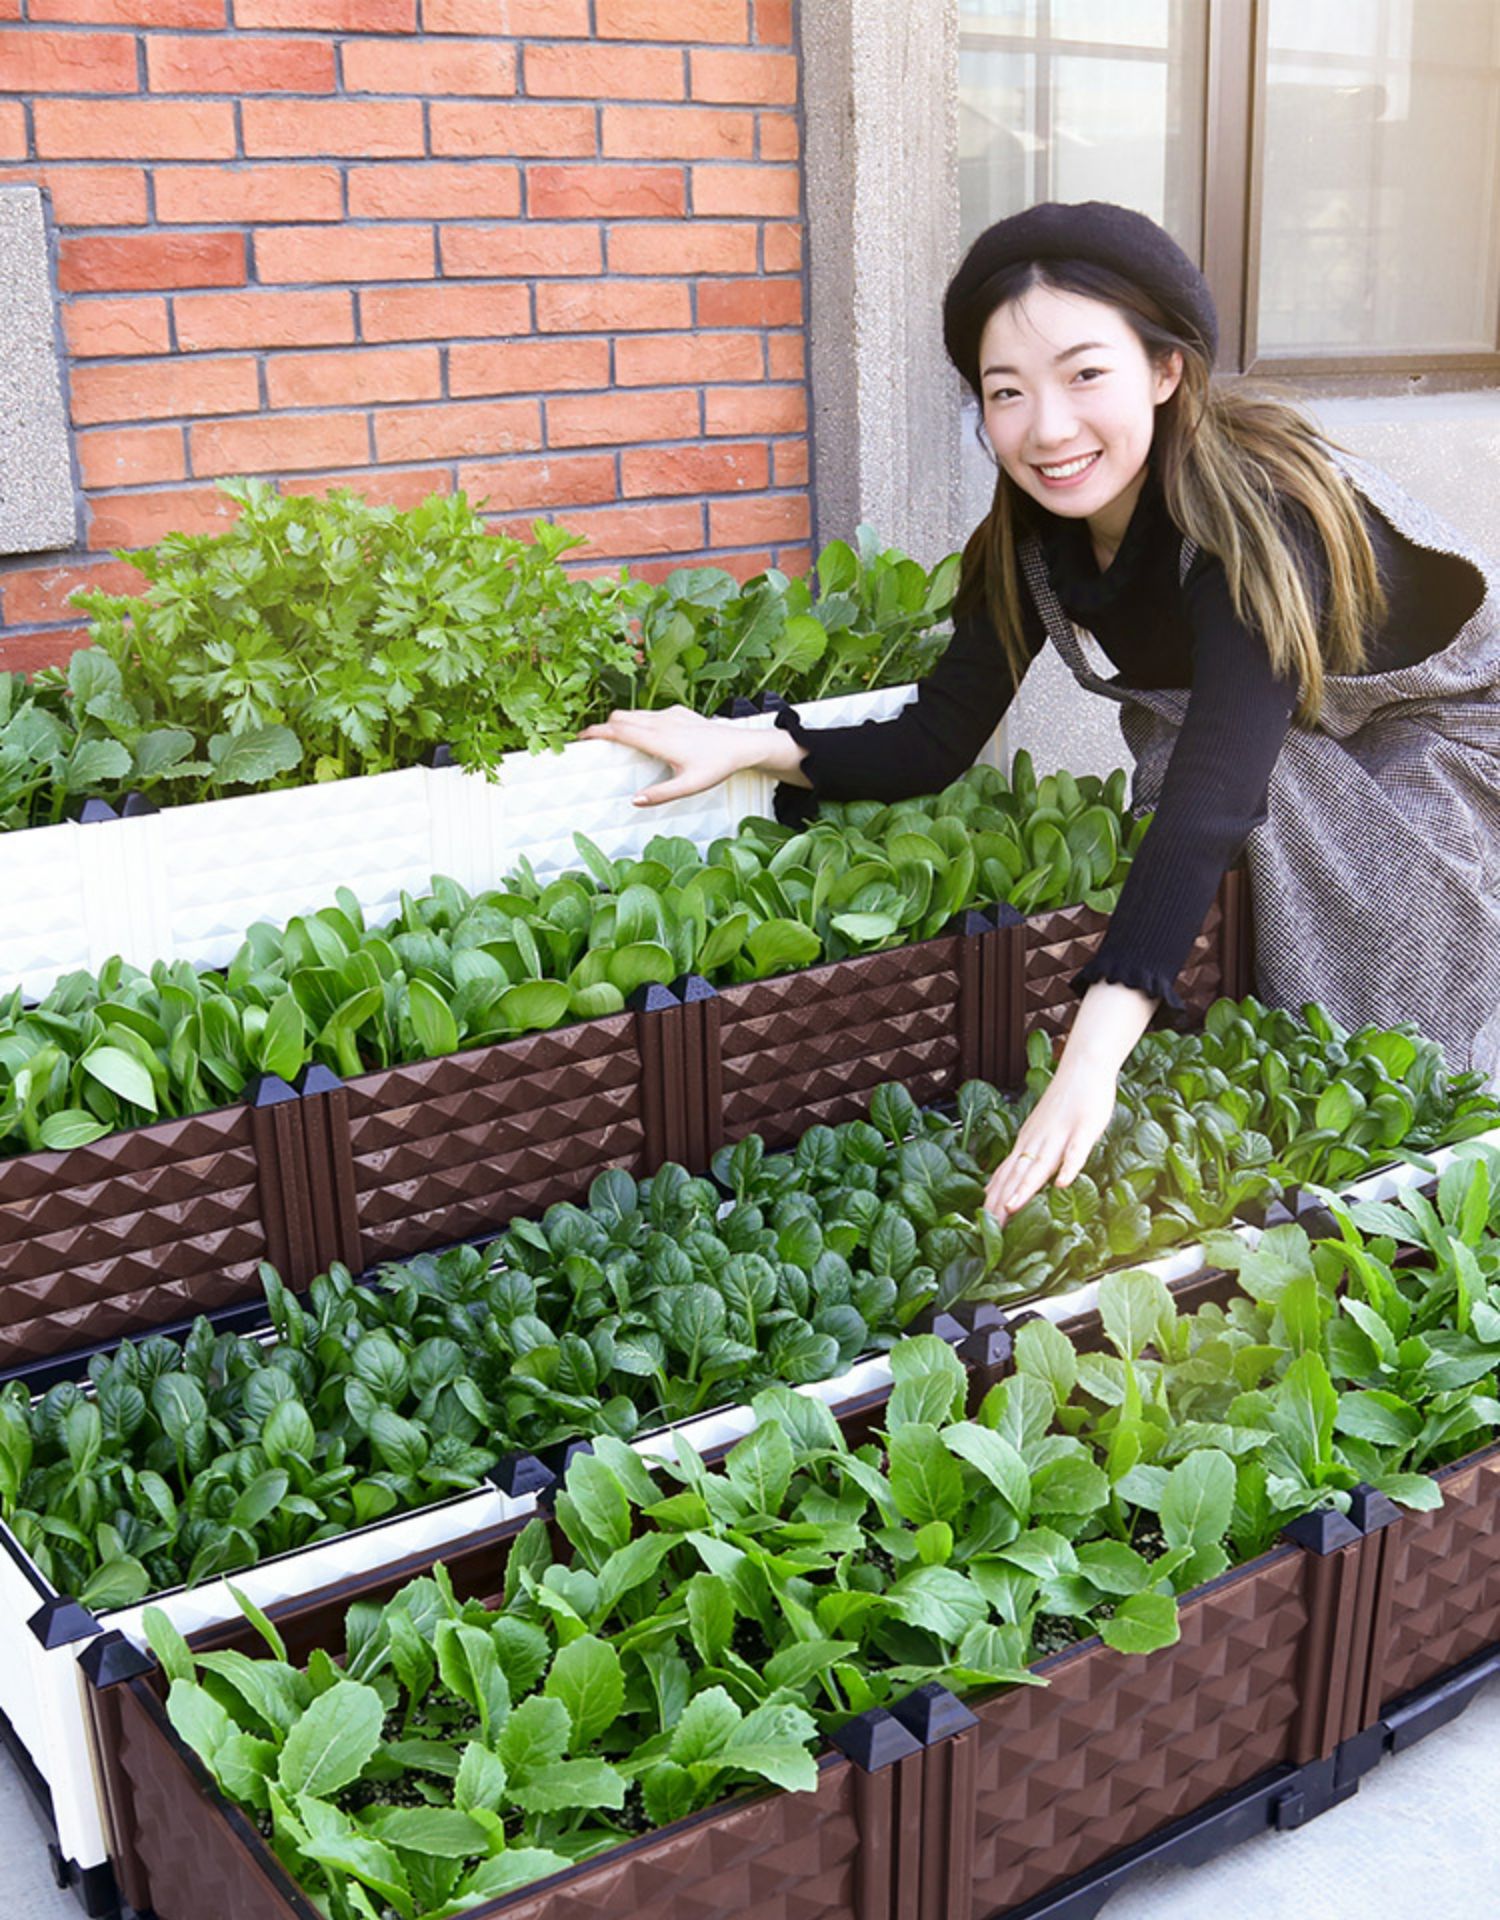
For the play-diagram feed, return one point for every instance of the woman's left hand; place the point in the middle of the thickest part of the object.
(1056, 1137)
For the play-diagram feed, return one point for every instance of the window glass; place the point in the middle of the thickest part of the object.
(1380, 216)
(1082, 100)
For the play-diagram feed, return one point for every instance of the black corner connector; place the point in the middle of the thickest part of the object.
(316, 1079)
(1324, 1531)
(94, 812)
(652, 997)
(61, 1621)
(268, 1090)
(440, 754)
(875, 1739)
(1006, 915)
(932, 1714)
(135, 806)
(1370, 1509)
(692, 987)
(518, 1475)
(112, 1658)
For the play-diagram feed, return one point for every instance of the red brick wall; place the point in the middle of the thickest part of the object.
(548, 251)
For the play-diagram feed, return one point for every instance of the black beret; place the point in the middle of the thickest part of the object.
(1094, 231)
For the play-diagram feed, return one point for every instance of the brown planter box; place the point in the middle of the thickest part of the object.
(148, 1226)
(1438, 1582)
(1048, 949)
(847, 1851)
(418, 1157)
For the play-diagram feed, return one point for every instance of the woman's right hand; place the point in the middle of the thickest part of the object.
(700, 752)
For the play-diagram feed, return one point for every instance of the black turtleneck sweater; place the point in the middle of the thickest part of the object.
(1158, 633)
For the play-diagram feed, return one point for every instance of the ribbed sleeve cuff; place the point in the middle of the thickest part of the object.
(797, 806)
(1122, 971)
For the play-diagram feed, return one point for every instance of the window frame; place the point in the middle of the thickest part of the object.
(1233, 175)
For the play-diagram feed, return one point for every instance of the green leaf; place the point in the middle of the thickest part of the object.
(445, 1833)
(333, 1741)
(283, 1042)
(1047, 1354)
(1131, 1305)
(71, 1127)
(779, 946)
(997, 1460)
(1199, 1499)
(117, 1583)
(760, 1465)
(251, 758)
(709, 1722)
(641, 963)
(570, 1784)
(925, 1480)
(123, 1074)
(535, 1006)
(586, 1676)
(432, 1022)
(940, 1599)
(1142, 1622)
(534, 1736)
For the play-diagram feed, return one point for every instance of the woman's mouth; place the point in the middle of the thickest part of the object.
(1067, 473)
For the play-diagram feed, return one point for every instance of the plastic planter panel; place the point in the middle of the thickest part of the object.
(44, 869)
(1440, 1587)
(1112, 1747)
(810, 1047)
(454, 1147)
(144, 1227)
(840, 1851)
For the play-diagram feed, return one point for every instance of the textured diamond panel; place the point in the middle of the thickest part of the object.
(771, 1857)
(1445, 1577)
(449, 1148)
(1057, 944)
(1113, 1748)
(809, 1047)
(138, 1229)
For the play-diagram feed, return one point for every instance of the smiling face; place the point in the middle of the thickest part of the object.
(1070, 397)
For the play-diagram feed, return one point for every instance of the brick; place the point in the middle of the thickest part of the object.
(693, 246)
(625, 531)
(671, 133)
(12, 130)
(606, 193)
(532, 366)
(35, 62)
(428, 66)
(133, 13)
(528, 249)
(230, 64)
(206, 321)
(656, 360)
(444, 313)
(789, 463)
(512, 131)
(783, 249)
(212, 194)
(749, 303)
(403, 487)
(795, 560)
(556, 480)
(755, 410)
(744, 79)
(363, 129)
(748, 190)
(522, 19)
(280, 444)
(773, 22)
(95, 327)
(336, 379)
(780, 136)
(786, 354)
(131, 456)
(30, 652)
(645, 471)
(147, 262)
(434, 190)
(134, 129)
(450, 432)
(744, 566)
(87, 196)
(141, 519)
(163, 390)
(37, 594)
(618, 419)
(612, 306)
(318, 255)
(743, 523)
(672, 20)
(334, 16)
(604, 73)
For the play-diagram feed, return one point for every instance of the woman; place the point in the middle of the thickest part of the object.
(1308, 664)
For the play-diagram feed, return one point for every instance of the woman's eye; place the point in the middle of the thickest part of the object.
(1000, 393)
(1090, 373)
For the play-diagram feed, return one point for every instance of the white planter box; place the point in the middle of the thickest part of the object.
(44, 929)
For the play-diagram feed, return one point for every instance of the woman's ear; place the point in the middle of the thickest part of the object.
(1168, 376)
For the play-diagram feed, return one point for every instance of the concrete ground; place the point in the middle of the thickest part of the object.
(1420, 1838)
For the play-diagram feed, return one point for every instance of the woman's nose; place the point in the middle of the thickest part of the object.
(1053, 421)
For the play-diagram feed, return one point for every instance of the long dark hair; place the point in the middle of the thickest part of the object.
(1230, 462)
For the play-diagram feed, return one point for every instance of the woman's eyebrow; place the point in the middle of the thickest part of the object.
(1068, 353)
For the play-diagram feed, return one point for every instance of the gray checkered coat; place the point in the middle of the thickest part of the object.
(1375, 875)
